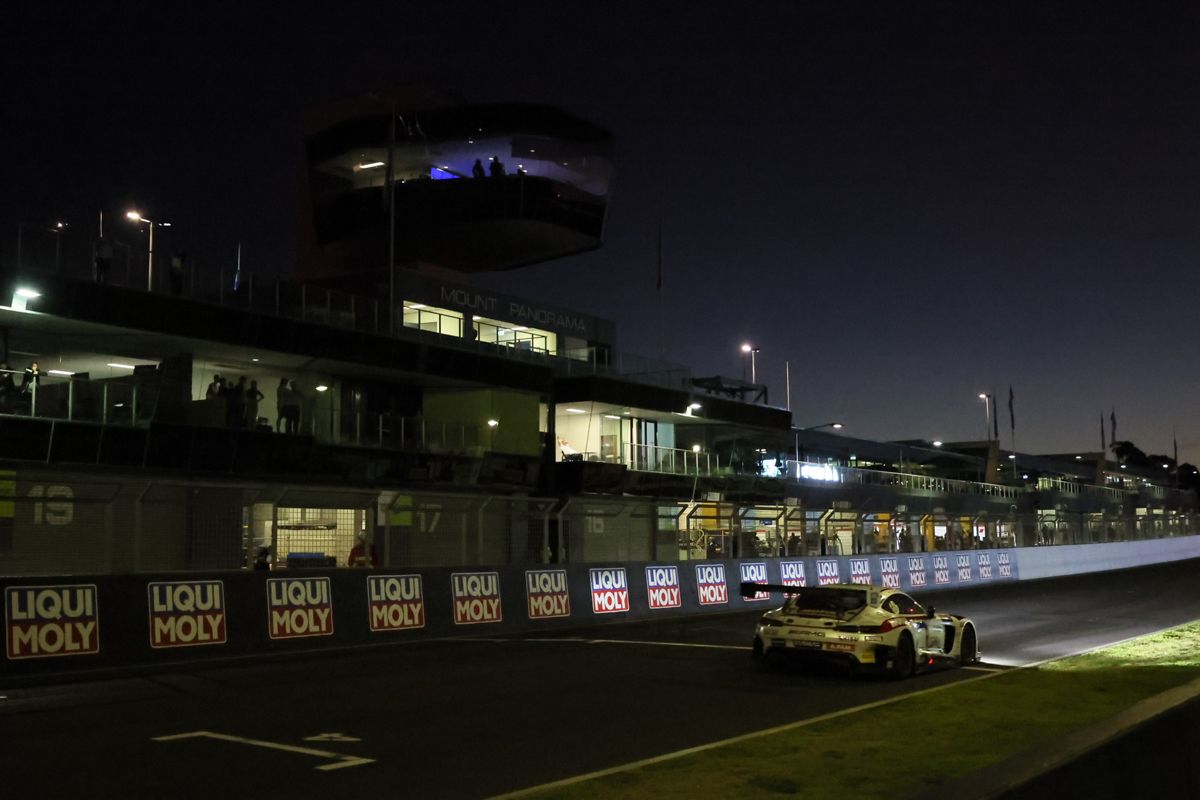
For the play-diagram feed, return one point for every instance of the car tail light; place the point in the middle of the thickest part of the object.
(892, 624)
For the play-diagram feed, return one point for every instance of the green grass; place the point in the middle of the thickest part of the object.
(946, 733)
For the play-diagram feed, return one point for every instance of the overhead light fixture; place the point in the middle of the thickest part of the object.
(416, 306)
(493, 423)
(611, 416)
(576, 411)
(695, 406)
(62, 372)
(519, 328)
(937, 442)
(322, 387)
(368, 165)
(22, 296)
(695, 448)
(116, 365)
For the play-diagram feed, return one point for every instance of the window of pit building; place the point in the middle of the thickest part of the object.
(432, 319)
(518, 337)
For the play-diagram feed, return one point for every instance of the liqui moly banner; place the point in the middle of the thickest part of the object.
(755, 572)
(962, 563)
(299, 608)
(662, 587)
(792, 573)
(50, 621)
(827, 571)
(546, 593)
(476, 597)
(711, 588)
(1004, 564)
(941, 569)
(917, 577)
(889, 571)
(860, 570)
(984, 561)
(186, 613)
(610, 590)
(395, 602)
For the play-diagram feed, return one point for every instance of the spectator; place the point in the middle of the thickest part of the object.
(363, 554)
(283, 399)
(477, 170)
(295, 400)
(8, 389)
(497, 167)
(253, 398)
(214, 388)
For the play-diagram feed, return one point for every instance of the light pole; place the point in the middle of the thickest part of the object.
(57, 230)
(753, 351)
(837, 426)
(987, 418)
(136, 216)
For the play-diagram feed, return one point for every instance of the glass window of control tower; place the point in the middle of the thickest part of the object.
(520, 337)
(433, 319)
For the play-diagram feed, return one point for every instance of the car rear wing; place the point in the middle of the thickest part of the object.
(750, 588)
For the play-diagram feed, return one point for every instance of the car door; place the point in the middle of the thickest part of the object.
(928, 634)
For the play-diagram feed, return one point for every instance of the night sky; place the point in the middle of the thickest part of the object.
(912, 203)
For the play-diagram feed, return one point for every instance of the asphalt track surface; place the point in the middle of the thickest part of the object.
(477, 718)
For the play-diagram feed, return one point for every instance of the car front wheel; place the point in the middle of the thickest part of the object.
(905, 658)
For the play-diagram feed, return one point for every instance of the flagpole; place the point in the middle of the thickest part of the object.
(662, 346)
(787, 379)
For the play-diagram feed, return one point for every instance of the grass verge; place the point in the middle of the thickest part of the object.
(908, 747)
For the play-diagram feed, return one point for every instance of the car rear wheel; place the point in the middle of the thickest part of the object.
(904, 660)
(970, 651)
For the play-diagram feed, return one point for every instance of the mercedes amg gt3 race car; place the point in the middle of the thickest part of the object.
(861, 625)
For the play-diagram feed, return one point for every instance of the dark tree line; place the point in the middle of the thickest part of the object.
(1127, 452)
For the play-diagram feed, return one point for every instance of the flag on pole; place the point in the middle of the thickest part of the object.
(1103, 444)
(995, 420)
(1012, 417)
(1113, 430)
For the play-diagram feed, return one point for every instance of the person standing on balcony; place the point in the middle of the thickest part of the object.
(295, 401)
(477, 170)
(8, 389)
(283, 399)
(253, 398)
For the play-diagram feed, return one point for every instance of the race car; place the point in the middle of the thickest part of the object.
(862, 625)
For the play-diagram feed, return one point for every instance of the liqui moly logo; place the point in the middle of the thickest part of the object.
(941, 569)
(48, 621)
(610, 590)
(395, 602)
(889, 571)
(546, 593)
(755, 573)
(792, 573)
(1004, 564)
(985, 566)
(711, 588)
(860, 570)
(963, 564)
(186, 613)
(916, 571)
(662, 587)
(827, 571)
(476, 597)
(299, 607)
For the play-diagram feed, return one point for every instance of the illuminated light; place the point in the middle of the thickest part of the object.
(695, 406)
(1078, 458)
(519, 328)
(1025, 477)
(136, 216)
(255, 360)
(416, 306)
(493, 423)
(746, 348)
(117, 365)
(983, 397)
(322, 387)
(59, 372)
(837, 426)
(532, 150)
(819, 472)
(503, 332)
(937, 443)
(611, 416)
(576, 411)
(28, 294)
(1012, 457)
(368, 165)
(695, 448)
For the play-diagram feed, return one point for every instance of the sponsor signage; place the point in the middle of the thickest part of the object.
(711, 588)
(186, 613)
(962, 563)
(546, 593)
(50, 621)
(860, 570)
(889, 571)
(827, 571)
(916, 571)
(662, 587)
(755, 572)
(941, 569)
(985, 566)
(476, 597)
(792, 573)
(1004, 564)
(610, 590)
(395, 602)
(299, 608)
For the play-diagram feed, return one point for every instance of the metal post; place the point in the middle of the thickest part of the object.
(70, 399)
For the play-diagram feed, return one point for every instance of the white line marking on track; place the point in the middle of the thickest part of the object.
(670, 644)
(343, 759)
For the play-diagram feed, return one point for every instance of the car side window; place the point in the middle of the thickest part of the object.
(903, 604)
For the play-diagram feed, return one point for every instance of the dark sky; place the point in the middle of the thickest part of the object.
(912, 203)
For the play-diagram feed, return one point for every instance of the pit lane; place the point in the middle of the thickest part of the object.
(481, 717)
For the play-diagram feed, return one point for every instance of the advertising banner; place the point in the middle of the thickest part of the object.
(299, 607)
(889, 571)
(546, 593)
(186, 613)
(395, 603)
(860, 570)
(662, 587)
(917, 577)
(50, 621)
(941, 570)
(827, 571)
(476, 597)
(610, 590)
(755, 572)
(791, 573)
(711, 588)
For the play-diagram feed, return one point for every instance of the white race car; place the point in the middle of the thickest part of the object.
(862, 625)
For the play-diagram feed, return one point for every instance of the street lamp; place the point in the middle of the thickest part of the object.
(136, 216)
(57, 230)
(837, 426)
(753, 351)
(987, 418)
